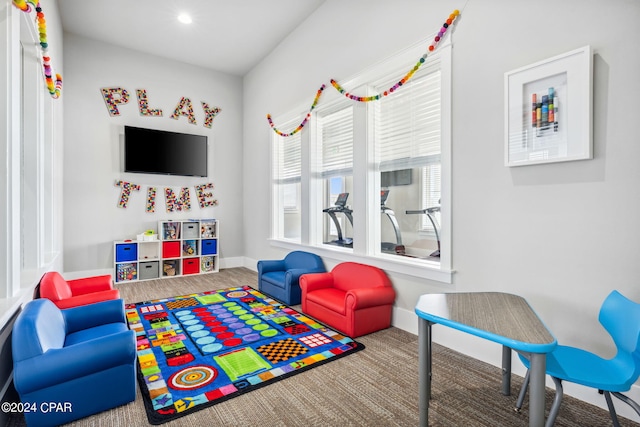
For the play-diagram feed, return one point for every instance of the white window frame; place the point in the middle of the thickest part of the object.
(29, 245)
(366, 180)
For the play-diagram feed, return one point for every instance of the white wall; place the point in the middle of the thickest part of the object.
(93, 138)
(561, 235)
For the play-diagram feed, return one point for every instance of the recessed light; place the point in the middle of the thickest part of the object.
(184, 18)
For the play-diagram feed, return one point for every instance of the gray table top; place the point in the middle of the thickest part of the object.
(504, 318)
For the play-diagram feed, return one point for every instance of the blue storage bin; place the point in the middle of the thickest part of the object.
(126, 252)
(209, 246)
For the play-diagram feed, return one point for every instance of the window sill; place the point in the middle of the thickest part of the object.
(412, 267)
(30, 280)
(10, 306)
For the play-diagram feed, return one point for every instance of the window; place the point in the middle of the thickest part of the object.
(286, 188)
(407, 144)
(335, 143)
(377, 178)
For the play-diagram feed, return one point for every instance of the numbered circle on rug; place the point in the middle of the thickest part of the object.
(192, 377)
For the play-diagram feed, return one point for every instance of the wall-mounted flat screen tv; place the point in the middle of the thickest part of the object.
(163, 152)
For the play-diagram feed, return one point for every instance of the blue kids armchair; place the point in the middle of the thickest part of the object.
(621, 319)
(279, 278)
(68, 364)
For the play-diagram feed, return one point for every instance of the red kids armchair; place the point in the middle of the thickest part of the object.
(355, 299)
(73, 293)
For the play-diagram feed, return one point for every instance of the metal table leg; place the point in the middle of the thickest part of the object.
(506, 370)
(424, 370)
(536, 389)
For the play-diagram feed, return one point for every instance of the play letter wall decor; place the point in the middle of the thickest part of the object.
(115, 97)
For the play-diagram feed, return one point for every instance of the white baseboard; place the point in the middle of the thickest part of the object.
(251, 264)
(490, 352)
(232, 262)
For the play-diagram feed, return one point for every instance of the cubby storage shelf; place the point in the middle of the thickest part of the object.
(184, 247)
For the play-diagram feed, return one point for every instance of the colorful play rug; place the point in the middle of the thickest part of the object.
(198, 350)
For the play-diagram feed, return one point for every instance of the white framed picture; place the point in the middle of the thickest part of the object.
(548, 110)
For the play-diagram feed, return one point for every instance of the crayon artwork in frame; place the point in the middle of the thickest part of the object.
(548, 110)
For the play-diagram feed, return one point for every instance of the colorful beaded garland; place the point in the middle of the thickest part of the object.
(407, 76)
(304, 121)
(387, 92)
(54, 87)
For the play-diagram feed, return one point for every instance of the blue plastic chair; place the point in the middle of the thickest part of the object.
(621, 318)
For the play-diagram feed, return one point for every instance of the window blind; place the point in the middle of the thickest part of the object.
(407, 123)
(288, 166)
(431, 193)
(336, 136)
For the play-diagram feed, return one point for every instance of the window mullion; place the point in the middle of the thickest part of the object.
(362, 189)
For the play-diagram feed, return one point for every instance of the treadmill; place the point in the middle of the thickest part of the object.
(340, 206)
(430, 213)
(389, 247)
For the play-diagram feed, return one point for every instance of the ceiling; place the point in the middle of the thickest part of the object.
(231, 36)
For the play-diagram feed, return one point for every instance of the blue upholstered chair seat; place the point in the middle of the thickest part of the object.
(276, 278)
(100, 331)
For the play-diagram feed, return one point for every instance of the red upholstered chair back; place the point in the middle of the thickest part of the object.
(352, 275)
(54, 287)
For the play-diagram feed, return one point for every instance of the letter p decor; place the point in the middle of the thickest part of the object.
(113, 97)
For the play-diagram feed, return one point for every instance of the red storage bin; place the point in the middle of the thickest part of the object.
(170, 249)
(191, 266)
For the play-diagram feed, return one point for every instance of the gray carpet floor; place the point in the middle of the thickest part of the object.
(374, 387)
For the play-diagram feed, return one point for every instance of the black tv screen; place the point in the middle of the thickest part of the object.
(163, 152)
